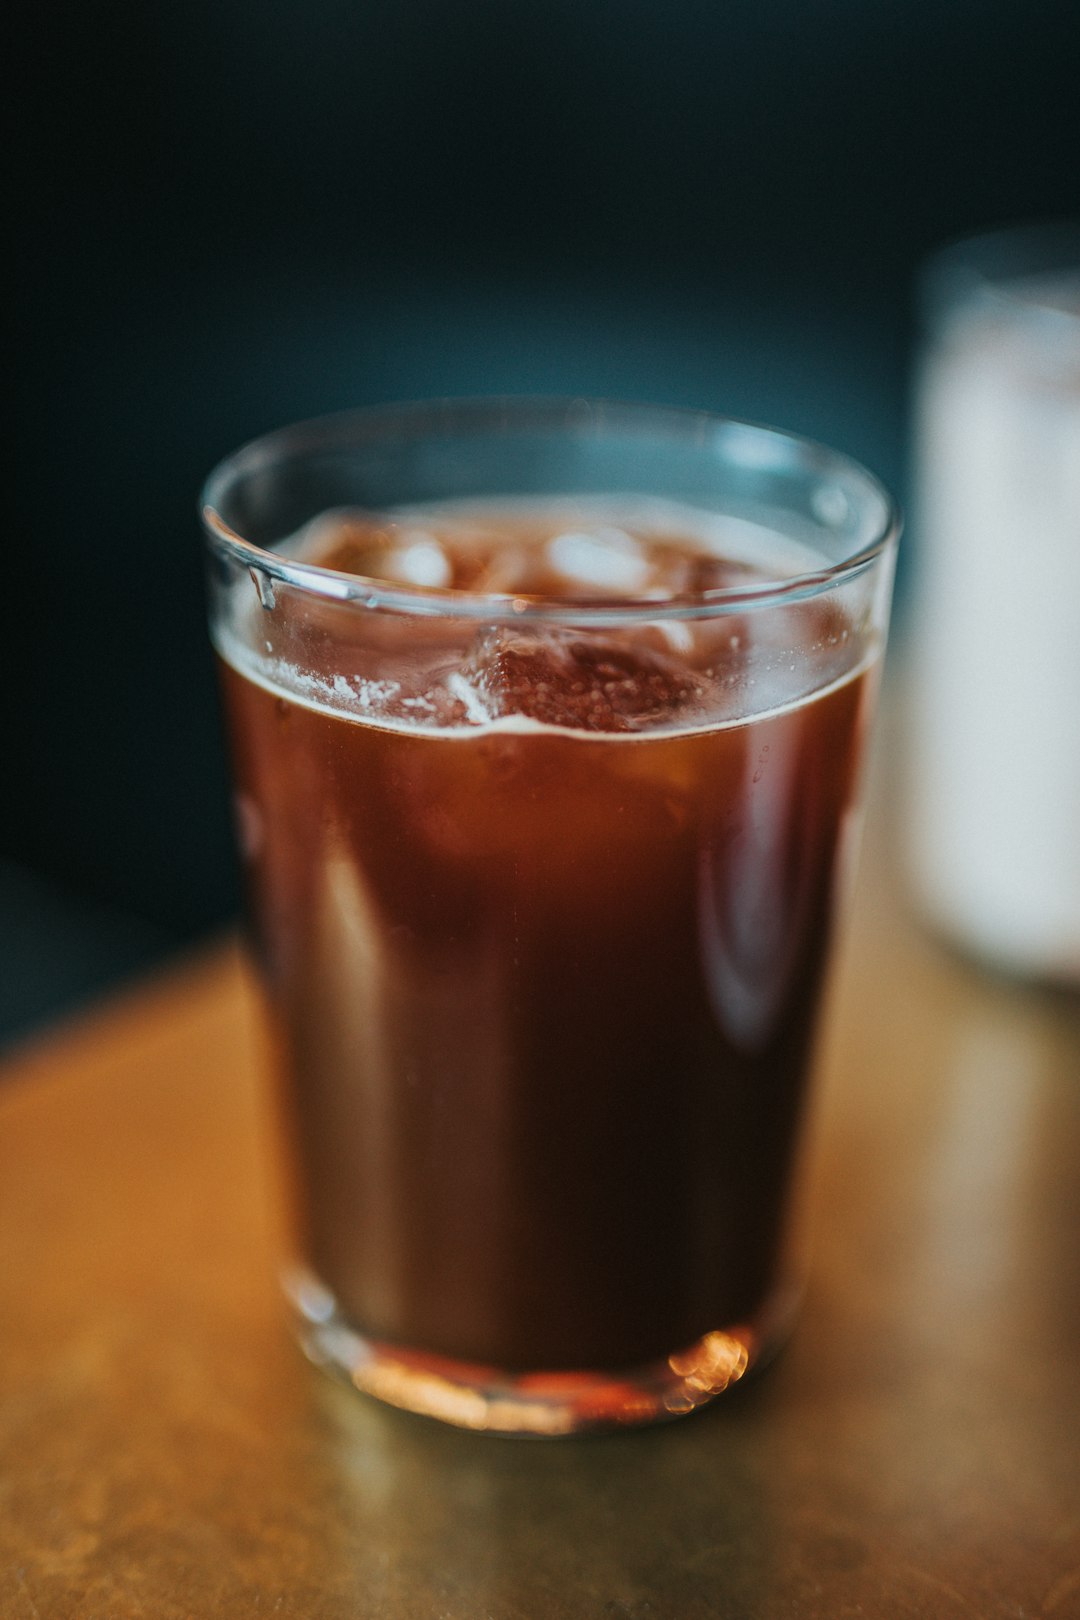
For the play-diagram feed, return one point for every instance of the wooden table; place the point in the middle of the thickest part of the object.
(166, 1452)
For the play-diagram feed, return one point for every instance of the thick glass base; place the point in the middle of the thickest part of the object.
(535, 1403)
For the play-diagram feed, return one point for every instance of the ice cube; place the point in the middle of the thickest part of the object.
(373, 547)
(351, 542)
(580, 682)
(498, 569)
(602, 559)
(418, 559)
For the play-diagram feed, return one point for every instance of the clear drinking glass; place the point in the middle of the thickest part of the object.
(546, 720)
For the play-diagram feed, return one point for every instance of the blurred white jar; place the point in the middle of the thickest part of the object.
(995, 745)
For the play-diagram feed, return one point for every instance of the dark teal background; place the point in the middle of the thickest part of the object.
(230, 215)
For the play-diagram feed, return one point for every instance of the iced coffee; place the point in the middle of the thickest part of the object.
(545, 804)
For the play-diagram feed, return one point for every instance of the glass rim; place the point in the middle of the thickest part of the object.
(568, 414)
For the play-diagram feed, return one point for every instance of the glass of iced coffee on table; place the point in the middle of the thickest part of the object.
(546, 720)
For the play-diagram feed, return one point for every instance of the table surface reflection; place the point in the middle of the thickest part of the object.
(165, 1451)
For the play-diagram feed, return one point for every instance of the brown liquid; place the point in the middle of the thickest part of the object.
(545, 988)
